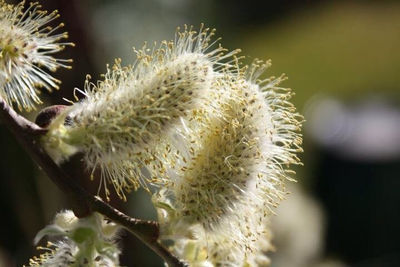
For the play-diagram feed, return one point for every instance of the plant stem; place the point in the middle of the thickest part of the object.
(28, 135)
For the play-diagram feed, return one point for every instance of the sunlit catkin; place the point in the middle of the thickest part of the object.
(27, 46)
(127, 113)
(235, 173)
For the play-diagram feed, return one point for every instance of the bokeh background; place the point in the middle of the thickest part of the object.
(343, 61)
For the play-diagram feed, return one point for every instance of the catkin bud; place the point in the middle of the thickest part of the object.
(27, 44)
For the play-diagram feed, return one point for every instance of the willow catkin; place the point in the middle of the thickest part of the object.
(236, 169)
(133, 108)
(89, 241)
(27, 46)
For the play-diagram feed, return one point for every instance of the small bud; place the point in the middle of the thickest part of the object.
(48, 114)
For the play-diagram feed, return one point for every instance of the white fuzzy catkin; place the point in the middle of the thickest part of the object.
(87, 241)
(134, 107)
(235, 171)
(27, 45)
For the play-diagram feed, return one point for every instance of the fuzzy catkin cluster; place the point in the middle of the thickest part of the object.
(27, 45)
(214, 140)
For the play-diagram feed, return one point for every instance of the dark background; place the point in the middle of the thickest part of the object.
(343, 61)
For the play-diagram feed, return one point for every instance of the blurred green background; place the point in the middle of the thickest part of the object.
(343, 61)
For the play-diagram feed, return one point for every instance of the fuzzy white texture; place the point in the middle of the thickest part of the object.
(134, 107)
(235, 170)
(81, 242)
(218, 140)
(27, 46)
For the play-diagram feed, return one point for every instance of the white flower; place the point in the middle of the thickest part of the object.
(55, 254)
(129, 113)
(27, 44)
(88, 241)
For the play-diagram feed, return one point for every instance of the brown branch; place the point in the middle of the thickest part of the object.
(28, 134)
